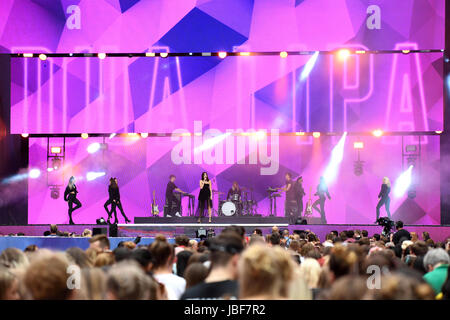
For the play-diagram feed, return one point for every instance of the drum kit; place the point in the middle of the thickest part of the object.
(237, 204)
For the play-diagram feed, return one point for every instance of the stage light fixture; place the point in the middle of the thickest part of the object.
(222, 54)
(100, 221)
(358, 145)
(360, 51)
(200, 233)
(406, 51)
(316, 134)
(260, 134)
(54, 193)
(112, 135)
(25, 135)
(85, 135)
(28, 55)
(438, 132)
(244, 53)
(300, 133)
(43, 57)
(34, 173)
(55, 150)
(411, 148)
(358, 168)
(56, 163)
(149, 54)
(377, 133)
(101, 56)
(164, 54)
(343, 54)
(412, 192)
(144, 135)
(283, 54)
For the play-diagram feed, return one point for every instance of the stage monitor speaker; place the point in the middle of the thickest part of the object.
(99, 230)
(113, 230)
(301, 221)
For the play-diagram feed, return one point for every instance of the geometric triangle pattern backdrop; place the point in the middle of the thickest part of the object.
(214, 25)
(400, 92)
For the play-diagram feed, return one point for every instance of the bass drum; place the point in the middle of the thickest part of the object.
(228, 209)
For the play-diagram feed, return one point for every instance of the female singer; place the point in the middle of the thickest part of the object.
(383, 197)
(204, 197)
(114, 194)
(70, 195)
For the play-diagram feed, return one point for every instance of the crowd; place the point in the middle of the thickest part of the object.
(280, 265)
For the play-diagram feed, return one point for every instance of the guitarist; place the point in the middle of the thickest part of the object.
(170, 197)
(300, 193)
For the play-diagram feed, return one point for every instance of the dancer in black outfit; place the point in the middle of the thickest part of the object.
(299, 194)
(322, 190)
(70, 195)
(114, 195)
(204, 197)
(109, 201)
(384, 198)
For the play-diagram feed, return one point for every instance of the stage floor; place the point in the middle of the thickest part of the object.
(174, 227)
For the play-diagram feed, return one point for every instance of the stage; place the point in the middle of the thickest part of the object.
(170, 227)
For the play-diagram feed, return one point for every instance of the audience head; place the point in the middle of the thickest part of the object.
(162, 252)
(435, 257)
(13, 258)
(399, 225)
(99, 242)
(9, 285)
(265, 273)
(195, 273)
(127, 281)
(47, 276)
(225, 251)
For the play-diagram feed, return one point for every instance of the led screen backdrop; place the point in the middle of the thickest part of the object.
(363, 92)
(214, 25)
(144, 165)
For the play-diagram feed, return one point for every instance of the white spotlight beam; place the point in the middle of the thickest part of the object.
(309, 66)
(211, 142)
(94, 175)
(337, 155)
(403, 182)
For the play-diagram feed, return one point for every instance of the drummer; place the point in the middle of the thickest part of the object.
(234, 194)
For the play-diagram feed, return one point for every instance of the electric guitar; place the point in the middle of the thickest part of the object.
(308, 211)
(155, 211)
